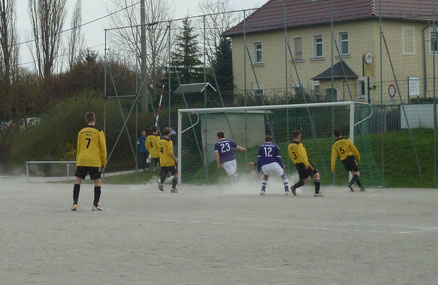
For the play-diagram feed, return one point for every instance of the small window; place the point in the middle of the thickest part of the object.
(331, 95)
(258, 92)
(433, 42)
(343, 43)
(298, 48)
(258, 54)
(408, 40)
(317, 46)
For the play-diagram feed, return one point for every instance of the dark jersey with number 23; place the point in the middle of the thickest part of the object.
(225, 148)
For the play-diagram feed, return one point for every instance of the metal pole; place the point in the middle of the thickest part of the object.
(104, 89)
(136, 149)
(286, 76)
(382, 111)
(169, 74)
(244, 85)
(434, 44)
(27, 171)
(205, 106)
(332, 72)
(179, 138)
(144, 99)
(68, 171)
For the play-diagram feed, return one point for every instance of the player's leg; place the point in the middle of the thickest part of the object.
(95, 175)
(163, 175)
(174, 172)
(356, 175)
(302, 175)
(264, 182)
(80, 175)
(316, 180)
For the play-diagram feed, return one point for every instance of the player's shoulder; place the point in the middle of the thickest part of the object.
(89, 129)
(340, 140)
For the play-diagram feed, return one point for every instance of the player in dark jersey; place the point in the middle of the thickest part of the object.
(90, 159)
(269, 163)
(350, 157)
(224, 154)
(297, 153)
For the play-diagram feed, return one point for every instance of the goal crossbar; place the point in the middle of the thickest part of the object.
(253, 108)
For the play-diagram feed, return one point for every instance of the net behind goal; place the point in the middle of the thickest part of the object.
(247, 126)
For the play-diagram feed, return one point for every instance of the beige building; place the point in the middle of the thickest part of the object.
(406, 26)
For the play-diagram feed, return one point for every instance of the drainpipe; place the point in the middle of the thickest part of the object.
(424, 61)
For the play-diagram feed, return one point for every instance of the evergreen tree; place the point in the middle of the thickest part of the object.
(186, 57)
(223, 66)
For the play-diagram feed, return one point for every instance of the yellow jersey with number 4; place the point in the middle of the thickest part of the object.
(344, 148)
(297, 153)
(91, 148)
(166, 151)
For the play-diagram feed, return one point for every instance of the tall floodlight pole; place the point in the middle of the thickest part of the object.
(169, 88)
(144, 99)
(383, 115)
(434, 45)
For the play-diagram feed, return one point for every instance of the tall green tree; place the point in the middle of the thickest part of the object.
(186, 57)
(223, 67)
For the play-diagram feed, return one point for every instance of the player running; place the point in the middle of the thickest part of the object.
(90, 159)
(350, 157)
(167, 161)
(224, 154)
(153, 146)
(269, 163)
(305, 168)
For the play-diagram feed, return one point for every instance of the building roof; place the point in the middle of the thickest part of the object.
(271, 16)
(338, 72)
(192, 88)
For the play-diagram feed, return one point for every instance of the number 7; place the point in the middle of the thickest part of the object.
(88, 144)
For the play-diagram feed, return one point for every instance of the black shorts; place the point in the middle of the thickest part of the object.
(167, 169)
(83, 171)
(303, 172)
(156, 160)
(350, 163)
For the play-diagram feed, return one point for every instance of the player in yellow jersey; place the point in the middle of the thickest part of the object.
(153, 146)
(350, 157)
(167, 161)
(90, 159)
(297, 153)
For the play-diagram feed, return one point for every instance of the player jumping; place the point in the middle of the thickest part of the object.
(350, 157)
(305, 168)
(269, 162)
(90, 159)
(224, 154)
(167, 161)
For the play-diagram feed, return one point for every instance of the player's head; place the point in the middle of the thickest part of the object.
(268, 138)
(90, 117)
(166, 132)
(296, 135)
(154, 129)
(143, 133)
(220, 135)
(337, 133)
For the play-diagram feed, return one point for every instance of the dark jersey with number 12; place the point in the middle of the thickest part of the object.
(91, 148)
(225, 148)
(268, 153)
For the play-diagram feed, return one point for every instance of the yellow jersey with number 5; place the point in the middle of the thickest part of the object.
(91, 148)
(344, 148)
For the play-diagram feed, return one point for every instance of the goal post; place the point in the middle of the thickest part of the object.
(197, 130)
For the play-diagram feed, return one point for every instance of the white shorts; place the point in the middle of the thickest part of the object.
(230, 167)
(272, 168)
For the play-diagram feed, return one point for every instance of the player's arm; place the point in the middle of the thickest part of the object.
(236, 146)
(303, 155)
(289, 151)
(103, 152)
(78, 147)
(333, 158)
(138, 144)
(171, 153)
(355, 151)
(259, 160)
(146, 143)
(216, 156)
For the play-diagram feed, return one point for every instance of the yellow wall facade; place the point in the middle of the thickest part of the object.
(405, 43)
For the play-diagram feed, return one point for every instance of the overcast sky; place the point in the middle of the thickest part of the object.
(92, 9)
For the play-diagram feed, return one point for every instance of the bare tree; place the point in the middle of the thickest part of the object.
(75, 41)
(218, 19)
(128, 39)
(9, 50)
(47, 18)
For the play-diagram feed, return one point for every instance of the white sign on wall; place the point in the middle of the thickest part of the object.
(414, 86)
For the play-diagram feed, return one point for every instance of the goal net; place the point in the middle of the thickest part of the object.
(247, 126)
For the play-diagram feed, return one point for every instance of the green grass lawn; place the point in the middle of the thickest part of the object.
(400, 165)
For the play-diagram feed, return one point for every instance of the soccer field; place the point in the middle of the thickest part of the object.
(216, 235)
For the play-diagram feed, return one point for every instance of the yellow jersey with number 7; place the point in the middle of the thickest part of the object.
(91, 148)
(344, 148)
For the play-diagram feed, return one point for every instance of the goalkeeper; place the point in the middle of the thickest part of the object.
(350, 157)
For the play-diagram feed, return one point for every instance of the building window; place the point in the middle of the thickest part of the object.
(258, 54)
(317, 46)
(298, 48)
(343, 43)
(408, 40)
(331, 95)
(258, 92)
(433, 42)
